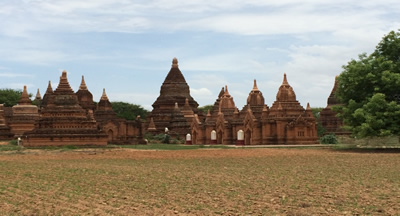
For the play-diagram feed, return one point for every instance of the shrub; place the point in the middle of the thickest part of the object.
(166, 139)
(329, 139)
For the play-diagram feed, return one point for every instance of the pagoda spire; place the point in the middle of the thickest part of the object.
(38, 96)
(174, 62)
(152, 126)
(83, 84)
(255, 88)
(49, 88)
(226, 93)
(64, 86)
(104, 95)
(25, 98)
(285, 82)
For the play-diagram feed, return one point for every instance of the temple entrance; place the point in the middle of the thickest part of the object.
(219, 137)
(110, 134)
(247, 137)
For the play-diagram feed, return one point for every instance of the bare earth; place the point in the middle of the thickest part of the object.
(199, 182)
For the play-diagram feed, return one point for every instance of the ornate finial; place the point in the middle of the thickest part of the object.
(226, 90)
(38, 96)
(104, 96)
(176, 105)
(83, 84)
(255, 88)
(285, 82)
(175, 62)
(49, 88)
(308, 106)
(64, 74)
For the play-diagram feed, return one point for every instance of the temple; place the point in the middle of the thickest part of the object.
(64, 122)
(174, 108)
(286, 122)
(63, 117)
(24, 115)
(328, 119)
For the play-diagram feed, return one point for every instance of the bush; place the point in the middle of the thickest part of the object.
(13, 142)
(166, 139)
(329, 139)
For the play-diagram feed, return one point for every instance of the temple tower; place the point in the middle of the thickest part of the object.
(24, 115)
(85, 98)
(173, 90)
(287, 121)
(328, 119)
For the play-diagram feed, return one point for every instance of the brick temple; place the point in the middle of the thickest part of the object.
(64, 117)
(175, 107)
(286, 122)
(329, 121)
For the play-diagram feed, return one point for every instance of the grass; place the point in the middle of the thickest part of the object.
(209, 182)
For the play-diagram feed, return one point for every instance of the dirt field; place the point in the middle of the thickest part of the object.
(199, 182)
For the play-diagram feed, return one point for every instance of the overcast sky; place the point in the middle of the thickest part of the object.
(127, 46)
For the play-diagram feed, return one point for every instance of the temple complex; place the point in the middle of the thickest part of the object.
(286, 122)
(65, 117)
(328, 119)
(174, 108)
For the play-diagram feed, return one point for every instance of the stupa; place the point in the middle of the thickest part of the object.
(64, 122)
(85, 98)
(24, 115)
(173, 90)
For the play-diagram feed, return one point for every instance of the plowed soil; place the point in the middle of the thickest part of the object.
(199, 182)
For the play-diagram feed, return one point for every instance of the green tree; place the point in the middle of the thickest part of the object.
(368, 89)
(129, 111)
(10, 97)
(316, 112)
(205, 108)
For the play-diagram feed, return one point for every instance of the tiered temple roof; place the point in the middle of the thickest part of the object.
(64, 122)
(173, 90)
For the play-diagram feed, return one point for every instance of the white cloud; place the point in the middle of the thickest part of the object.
(14, 75)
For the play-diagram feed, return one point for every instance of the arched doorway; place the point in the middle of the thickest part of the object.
(247, 137)
(110, 134)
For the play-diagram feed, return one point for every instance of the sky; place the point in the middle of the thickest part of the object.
(127, 46)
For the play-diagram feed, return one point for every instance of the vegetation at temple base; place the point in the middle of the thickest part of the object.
(129, 111)
(369, 91)
(205, 108)
(316, 112)
(10, 97)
